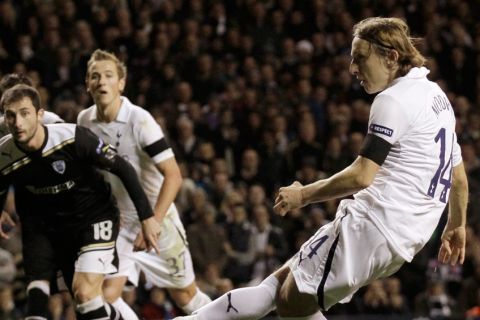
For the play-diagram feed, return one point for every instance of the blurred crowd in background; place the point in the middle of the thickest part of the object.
(252, 95)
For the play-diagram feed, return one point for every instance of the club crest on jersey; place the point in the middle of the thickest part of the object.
(381, 129)
(100, 145)
(59, 166)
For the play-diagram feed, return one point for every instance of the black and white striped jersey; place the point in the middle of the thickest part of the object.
(60, 183)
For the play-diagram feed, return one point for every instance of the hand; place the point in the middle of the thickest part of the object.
(289, 198)
(139, 243)
(452, 249)
(151, 233)
(5, 219)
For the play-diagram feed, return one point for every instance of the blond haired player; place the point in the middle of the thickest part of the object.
(409, 167)
(140, 140)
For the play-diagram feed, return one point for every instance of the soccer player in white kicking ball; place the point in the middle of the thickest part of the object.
(410, 166)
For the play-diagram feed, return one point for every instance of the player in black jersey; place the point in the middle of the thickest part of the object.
(69, 217)
(8, 81)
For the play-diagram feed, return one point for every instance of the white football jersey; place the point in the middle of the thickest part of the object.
(132, 133)
(48, 118)
(411, 189)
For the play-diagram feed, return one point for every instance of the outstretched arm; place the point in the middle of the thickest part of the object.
(452, 249)
(357, 176)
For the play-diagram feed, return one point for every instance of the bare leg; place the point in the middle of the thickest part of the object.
(87, 292)
(293, 304)
(189, 298)
(112, 291)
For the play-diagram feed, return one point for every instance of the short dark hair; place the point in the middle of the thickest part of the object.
(12, 79)
(18, 92)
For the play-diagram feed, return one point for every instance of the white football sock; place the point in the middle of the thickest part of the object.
(242, 304)
(124, 309)
(91, 305)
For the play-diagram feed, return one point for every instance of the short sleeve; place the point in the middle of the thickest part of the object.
(456, 152)
(388, 120)
(80, 118)
(50, 117)
(151, 138)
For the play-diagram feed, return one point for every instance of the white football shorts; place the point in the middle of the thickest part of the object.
(172, 268)
(343, 256)
(97, 258)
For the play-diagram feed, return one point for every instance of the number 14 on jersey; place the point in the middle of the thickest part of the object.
(445, 167)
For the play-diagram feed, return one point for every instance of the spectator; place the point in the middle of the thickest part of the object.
(469, 294)
(186, 142)
(398, 303)
(375, 299)
(239, 247)
(305, 147)
(212, 283)
(249, 172)
(270, 245)
(228, 204)
(207, 240)
(158, 307)
(335, 158)
(434, 302)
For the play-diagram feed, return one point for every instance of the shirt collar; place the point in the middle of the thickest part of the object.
(414, 73)
(417, 72)
(123, 113)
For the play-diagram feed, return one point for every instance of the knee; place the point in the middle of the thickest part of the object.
(183, 296)
(111, 294)
(86, 286)
(292, 303)
(284, 288)
(83, 292)
(282, 299)
(113, 288)
(190, 299)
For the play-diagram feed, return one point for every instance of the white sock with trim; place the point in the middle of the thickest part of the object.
(242, 304)
(124, 309)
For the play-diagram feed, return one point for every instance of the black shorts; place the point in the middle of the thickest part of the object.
(46, 251)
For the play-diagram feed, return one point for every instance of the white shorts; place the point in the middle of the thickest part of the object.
(98, 259)
(343, 256)
(172, 268)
